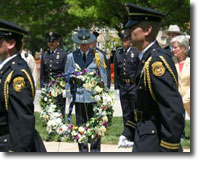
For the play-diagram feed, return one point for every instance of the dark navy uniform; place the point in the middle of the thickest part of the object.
(17, 121)
(125, 66)
(53, 64)
(159, 115)
(17, 91)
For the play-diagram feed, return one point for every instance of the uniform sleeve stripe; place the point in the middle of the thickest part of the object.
(173, 146)
(128, 124)
(170, 144)
(169, 147)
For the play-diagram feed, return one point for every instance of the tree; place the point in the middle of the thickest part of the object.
(64, 16)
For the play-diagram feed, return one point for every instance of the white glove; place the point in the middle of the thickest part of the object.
(68, 99)
(124, 143)
(64, 94)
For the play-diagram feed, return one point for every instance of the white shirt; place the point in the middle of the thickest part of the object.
(5, 61)
(145, 49)
(85, 52)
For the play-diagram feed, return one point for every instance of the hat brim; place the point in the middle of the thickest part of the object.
(179, 32)
(88, 41)
(131, 23)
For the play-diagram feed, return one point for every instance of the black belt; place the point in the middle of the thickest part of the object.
(4, 130)
(127, 80)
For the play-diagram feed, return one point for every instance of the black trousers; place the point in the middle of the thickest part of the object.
(128, 105)
(84, 111)
(61, 103)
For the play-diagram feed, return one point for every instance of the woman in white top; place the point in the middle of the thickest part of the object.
(180, 46)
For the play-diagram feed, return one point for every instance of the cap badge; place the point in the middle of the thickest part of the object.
(50, 33)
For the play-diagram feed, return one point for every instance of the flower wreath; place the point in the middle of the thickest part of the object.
(103, 110)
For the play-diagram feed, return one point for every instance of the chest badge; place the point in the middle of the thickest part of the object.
(18, 84)
(158, 69)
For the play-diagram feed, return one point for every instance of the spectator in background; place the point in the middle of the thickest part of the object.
(93, 45)
(31, 63)
(172, 32)
(180, 46)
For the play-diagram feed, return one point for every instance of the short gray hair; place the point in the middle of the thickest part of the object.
(182, 41)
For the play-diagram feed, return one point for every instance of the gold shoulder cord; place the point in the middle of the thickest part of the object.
(169, 69)
(30, 81)
(98, 59)
(6, 89)
(147, 77)
(147, 74)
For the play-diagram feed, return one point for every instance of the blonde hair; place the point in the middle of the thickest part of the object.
(182, 41)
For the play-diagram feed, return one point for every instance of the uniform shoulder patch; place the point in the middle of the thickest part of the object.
(158, 69)
(18, 84)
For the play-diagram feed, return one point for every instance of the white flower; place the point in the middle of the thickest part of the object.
(97, 98)
(49, 123)
(81, 129)
(58, 120)
(45, 99)
(88, 86)
(98, 89)
(64, 128)
(105, 119)
(54, 93)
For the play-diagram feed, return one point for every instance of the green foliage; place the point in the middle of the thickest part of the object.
(64, 16)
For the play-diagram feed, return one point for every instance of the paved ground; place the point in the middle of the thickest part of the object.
(73, 147)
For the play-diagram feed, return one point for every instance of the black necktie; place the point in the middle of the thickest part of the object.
(84, 57)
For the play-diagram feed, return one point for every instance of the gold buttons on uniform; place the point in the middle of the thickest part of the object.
(124, 68)
(13, 62)
(124, 63)
(5, 140)
(51, 61)
(124, 73)
(50, 65)
(153, 131)
(143, 61)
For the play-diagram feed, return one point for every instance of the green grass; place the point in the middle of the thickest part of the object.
(113, 132)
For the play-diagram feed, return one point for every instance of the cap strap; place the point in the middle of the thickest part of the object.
(4, 29)
(145, 14)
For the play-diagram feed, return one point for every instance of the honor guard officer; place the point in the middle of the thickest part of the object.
(125, 66)
(84, 58)
(159, 115)
(52, 64)
(107, 62)
(17, 91)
